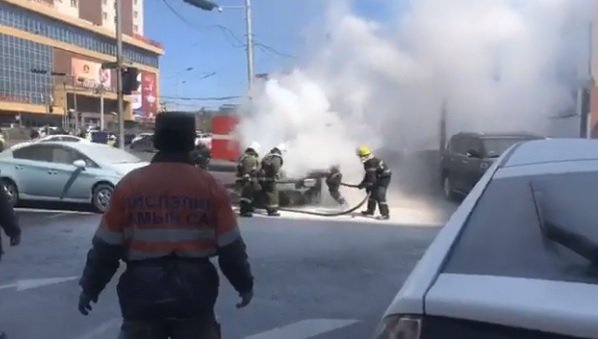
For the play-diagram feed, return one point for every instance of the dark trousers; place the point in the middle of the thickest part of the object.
(378, 197)
(335, 193)
(248, 189)
(171, 329)
(271, 194)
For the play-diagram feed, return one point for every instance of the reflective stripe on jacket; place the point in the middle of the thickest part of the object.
(188, 214)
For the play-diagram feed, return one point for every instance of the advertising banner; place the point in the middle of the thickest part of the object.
(90, 74)
(149, 93)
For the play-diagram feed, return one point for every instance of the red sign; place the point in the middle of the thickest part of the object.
(149, 95)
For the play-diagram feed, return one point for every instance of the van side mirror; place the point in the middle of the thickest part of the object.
(473, 154)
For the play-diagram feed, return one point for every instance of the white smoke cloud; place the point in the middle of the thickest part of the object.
(497, 65)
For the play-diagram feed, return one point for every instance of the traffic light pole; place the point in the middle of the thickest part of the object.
(119, 79)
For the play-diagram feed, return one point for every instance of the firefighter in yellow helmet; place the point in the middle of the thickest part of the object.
(375, 181)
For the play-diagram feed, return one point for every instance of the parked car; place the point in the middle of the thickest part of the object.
(50, 138)
(143, 143)
(80, 172)
(517, 259)
(467, 157)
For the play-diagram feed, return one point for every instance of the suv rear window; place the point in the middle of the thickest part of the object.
(503, 235)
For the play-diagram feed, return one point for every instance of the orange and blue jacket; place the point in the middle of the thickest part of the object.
(167, 209)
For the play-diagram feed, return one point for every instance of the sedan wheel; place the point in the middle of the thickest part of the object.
(101, 197)
(11, 191)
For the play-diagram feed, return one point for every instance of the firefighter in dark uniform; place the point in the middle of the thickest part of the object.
(247, 174)
(9, 223)
(375, 182)
(333, 181)
(270, 170)
(165, 221)
(201, 156)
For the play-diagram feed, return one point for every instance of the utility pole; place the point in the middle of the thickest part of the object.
(101, 93)
(119, 80)
(249, 31)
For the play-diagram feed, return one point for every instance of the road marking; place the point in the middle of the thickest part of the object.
(23, 285)
(304, 329)
(100, 330)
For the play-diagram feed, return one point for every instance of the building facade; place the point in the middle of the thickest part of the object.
(51, 52)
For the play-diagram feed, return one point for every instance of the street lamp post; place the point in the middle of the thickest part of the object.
(119, 80)
(207, 5)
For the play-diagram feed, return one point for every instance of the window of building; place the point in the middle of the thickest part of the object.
(17, 82)
(105, 15)
(73, 3)
(19, 18)
(135, 28)
(135, 14)
(135, 2)
(105, 2)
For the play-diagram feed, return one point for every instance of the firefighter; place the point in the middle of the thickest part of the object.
(333, 181)
(201, 155)
(247, 172)
(375, 181)
(270, 170)
(165, 221)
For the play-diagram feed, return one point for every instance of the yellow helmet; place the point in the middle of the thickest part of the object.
(363, 151)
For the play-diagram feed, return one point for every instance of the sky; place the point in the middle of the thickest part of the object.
(205, 54)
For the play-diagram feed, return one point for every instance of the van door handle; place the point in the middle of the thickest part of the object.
(52, 172)
(18, 167)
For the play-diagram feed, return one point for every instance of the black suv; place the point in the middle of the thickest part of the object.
(468, 155)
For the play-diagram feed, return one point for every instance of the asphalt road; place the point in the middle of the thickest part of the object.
(315, 278)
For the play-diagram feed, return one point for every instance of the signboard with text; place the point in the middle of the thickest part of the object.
(90, 74)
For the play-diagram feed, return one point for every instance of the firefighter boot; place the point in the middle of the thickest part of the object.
(3, 335)
(344, 204)
(371, 208)
(245, 210)
(273, 213)
(384, 212)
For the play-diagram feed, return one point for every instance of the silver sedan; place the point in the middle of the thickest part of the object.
(76, 172)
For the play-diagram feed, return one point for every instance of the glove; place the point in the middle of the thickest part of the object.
(245, 299)
(85, 302)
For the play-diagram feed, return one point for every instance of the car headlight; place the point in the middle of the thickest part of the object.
(400, 327)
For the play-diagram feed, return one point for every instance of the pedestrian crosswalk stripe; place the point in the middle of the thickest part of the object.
(304, 329)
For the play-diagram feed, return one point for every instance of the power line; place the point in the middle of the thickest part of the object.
(266, 48)
(168, 97)
(228, 34)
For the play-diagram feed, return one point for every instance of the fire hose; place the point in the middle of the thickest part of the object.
(335, 214)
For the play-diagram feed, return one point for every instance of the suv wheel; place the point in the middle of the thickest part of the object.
(447, 188)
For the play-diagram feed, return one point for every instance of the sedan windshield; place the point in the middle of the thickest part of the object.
(110, 155)
(496, 146)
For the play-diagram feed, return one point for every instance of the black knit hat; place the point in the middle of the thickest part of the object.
(175, 132)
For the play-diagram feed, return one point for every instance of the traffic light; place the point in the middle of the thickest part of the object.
(130, 80)
(202, 4)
